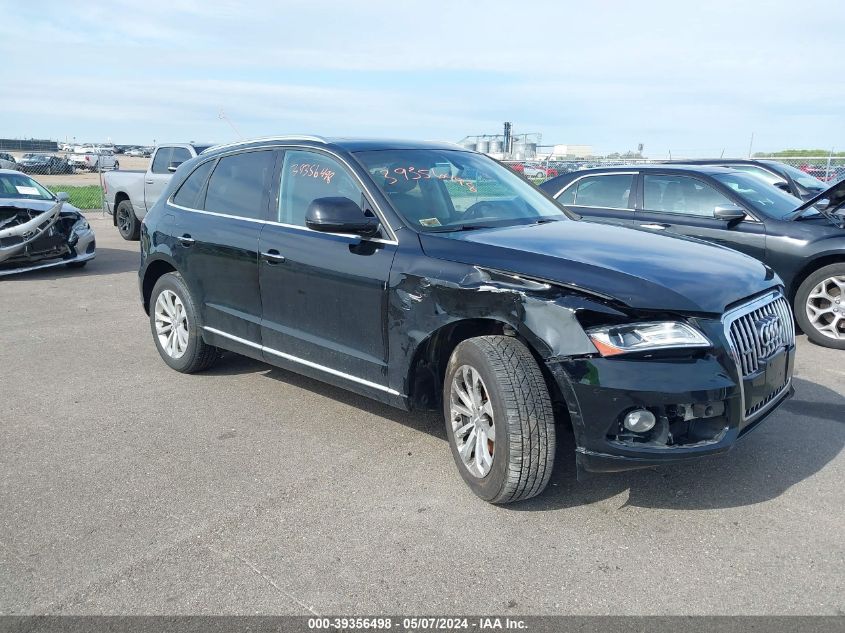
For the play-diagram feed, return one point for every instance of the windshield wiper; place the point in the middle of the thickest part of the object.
(462, 227)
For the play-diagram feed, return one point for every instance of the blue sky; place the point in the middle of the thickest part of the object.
(695, 78)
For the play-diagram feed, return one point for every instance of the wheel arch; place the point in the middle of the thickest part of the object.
(154, 271)
(427, 369)
(812, 266)
(119, 197)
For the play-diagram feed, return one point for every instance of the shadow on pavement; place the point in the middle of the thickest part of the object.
(797, 441)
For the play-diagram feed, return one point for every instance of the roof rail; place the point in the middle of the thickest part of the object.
(287, 137)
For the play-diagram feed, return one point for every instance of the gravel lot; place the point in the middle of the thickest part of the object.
(127, 488)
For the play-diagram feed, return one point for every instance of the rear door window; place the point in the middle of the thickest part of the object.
(240, 183)
(179, 156)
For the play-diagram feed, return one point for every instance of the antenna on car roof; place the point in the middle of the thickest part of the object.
(222, 115)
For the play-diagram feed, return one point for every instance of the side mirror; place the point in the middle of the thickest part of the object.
(173, 166)
(62, 196)
(339, 215)
(729, 212)
(783, 186)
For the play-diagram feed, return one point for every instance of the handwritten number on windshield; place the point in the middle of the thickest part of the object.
(393, 176)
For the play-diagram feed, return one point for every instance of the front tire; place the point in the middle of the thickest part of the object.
(820, 306)
(499, 419)
(127, 223)
(175, 327)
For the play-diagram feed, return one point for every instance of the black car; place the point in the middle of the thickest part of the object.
(803, 242)
(426, 276)
(786, 177)
(44, 164)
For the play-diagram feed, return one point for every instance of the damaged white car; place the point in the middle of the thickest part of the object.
(39, 229)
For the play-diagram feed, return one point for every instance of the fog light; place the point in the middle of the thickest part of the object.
(639, 421)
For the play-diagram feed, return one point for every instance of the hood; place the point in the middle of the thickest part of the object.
(636, 267)
(37, 205)
(836, 195)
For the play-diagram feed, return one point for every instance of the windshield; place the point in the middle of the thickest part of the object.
(760, 195)
(448, 190)
(804, 179)
(20, 186)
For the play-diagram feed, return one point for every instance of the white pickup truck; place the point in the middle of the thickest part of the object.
(130, 194)
(93, 159)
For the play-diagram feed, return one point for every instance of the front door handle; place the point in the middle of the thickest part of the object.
(655, 226)
(186, 240)
(273, 256)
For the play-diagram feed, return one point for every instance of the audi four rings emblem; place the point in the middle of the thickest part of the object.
(769, 331)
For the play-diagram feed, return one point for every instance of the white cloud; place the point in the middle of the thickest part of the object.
(608, 73)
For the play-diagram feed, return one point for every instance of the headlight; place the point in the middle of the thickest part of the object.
(642, 337)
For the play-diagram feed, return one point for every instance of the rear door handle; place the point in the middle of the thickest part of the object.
(273, 256)
(186, 240)
(655, 226)
(149, 182)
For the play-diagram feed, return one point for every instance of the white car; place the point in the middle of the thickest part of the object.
(94, 159)
(7, 161)
(533, 171)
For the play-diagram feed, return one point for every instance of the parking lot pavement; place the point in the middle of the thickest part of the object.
(128, 488)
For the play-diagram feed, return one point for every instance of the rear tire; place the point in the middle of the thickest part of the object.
(496, 405)
(175, 327)
(127, 223)
(820, 306)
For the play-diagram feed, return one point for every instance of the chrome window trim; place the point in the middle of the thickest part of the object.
(302, 361)
(727, 320)
(600, 173)
(379, 212)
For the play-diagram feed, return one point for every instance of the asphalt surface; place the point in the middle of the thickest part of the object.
(127, 488)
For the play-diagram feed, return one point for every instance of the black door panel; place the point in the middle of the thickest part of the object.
(324, 299)
(218, 257)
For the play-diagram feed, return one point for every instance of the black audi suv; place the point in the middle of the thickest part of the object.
(430, 277)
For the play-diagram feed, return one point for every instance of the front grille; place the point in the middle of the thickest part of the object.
(758, 330)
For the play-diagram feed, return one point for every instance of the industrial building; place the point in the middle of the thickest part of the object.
(526, 146)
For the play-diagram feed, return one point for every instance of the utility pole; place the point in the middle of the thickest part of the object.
(750, 145)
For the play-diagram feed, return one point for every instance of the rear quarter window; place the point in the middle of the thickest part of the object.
(188, 193)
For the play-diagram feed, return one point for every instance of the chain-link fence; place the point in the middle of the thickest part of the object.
(828, 169)
(78, 170)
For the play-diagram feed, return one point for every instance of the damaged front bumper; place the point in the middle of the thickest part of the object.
(31, 239)
(700, 402)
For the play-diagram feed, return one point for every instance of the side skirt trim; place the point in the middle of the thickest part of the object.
(302, 361)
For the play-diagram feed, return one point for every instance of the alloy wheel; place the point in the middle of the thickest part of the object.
(826, 307)
(124, 223)
(171, 323)
(471, 415)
